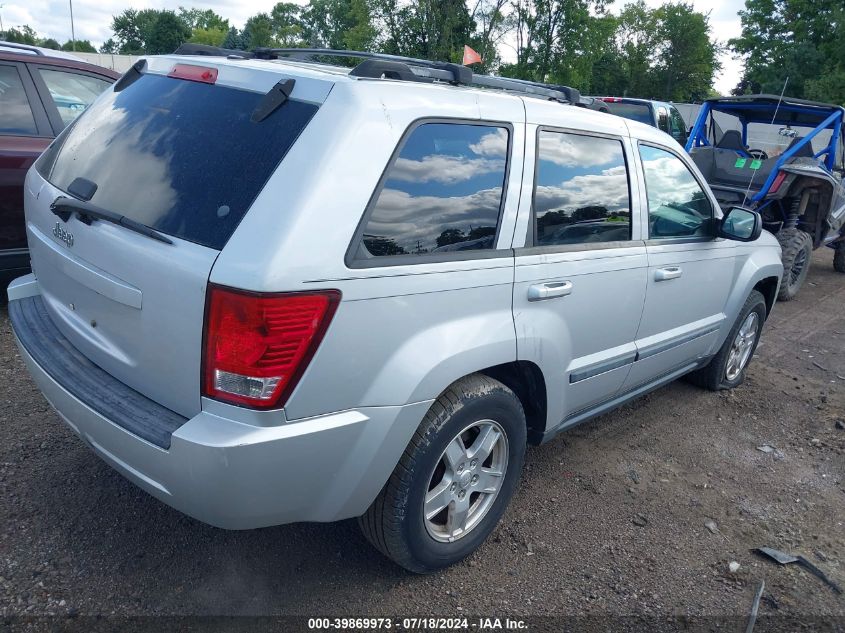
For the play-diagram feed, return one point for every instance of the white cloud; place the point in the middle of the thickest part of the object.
(444, 169)
(569, 150)
(92, 20)
(492, 144)
(668, 181)
(409, 219)
(608, 189)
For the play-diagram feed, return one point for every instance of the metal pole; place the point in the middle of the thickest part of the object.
(72, 32)
(1, 17)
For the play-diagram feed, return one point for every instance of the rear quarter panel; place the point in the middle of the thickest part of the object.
(402, 333)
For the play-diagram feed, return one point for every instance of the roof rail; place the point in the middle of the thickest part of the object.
(382, 65)
(413, 69)
(211, 51)
(23, 47)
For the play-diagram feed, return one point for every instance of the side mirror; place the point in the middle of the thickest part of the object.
(741, 225)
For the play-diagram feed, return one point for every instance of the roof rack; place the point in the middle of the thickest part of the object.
(24, 47)
(381, 65)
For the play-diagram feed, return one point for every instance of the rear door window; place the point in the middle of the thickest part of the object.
(71, 92)
(442, 194)
(581, 194)
(16, 117)
(181, 157)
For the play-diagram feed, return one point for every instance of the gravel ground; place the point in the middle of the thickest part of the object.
(609, 518)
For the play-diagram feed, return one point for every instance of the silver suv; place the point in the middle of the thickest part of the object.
(270, 290)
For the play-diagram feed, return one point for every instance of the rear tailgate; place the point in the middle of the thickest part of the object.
(182, 157)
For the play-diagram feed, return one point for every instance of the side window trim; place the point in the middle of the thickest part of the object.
(353, 262)
(42, 123)
(704, 187)
(531, 246)
(46, 98)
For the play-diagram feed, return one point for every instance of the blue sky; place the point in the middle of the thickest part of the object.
(92, 19)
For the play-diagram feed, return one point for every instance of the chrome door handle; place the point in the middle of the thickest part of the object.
(549, 290)
(665, 274)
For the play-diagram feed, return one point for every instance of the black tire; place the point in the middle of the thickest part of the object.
(839, 258)
(797, 252)
(713, 376)
(395, 522)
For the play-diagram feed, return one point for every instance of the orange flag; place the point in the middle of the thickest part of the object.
(470, 56)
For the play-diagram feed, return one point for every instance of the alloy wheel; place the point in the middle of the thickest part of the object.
(742, 346)
(466, 481)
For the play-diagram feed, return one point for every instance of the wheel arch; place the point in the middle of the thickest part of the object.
(768, 287)
(526, 380)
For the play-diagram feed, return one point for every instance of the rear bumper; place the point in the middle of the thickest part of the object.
(238, 476)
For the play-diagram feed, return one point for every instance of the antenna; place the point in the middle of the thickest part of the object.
(774, 118)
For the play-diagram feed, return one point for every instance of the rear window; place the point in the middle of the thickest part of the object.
(181, 157)
(634, 111)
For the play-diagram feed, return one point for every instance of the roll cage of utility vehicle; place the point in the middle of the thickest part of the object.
(783, 157)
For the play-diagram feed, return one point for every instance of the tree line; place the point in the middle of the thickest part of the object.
(663, 53)
(794, 46)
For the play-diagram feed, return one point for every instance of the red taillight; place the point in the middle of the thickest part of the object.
(778, 181)
(258, 345)
(611, 99)
(203, 74)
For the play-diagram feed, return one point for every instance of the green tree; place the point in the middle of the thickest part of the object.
(492, 25)
(287, 24)
(802, 40)
(638, 38)
(110, 47)
(149, 31)
(49, 43)
(338, 24)
(132, 29)
(168, 32)
(234, 40)
(688, 57)
(211, 37)
(550, 35)
(204, 19)
(425, 28)
(80, 46)
(258, 32)
(24, 35)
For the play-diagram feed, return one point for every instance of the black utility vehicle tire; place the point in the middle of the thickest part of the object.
(713, 376)
(797, 252)
(839, 258)
(395, 523)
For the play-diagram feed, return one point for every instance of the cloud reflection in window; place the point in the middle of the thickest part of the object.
(442, 194)
(582, 193)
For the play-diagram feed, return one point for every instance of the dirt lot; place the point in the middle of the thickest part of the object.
(609, 518)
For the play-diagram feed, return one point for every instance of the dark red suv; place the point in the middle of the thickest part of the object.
(41, 91)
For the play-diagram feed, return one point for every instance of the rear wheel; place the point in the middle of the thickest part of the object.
(727, 369)
(839, 258)
(797, 251)
(454, 480)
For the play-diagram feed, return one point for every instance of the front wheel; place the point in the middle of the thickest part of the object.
(797, 252)
(727, 369)
(454, 480)
(839, 258)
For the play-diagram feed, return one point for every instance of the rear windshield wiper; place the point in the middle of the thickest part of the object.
(87, 212)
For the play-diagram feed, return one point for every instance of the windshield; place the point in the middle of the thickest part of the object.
(770, 139)
(181, 157)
